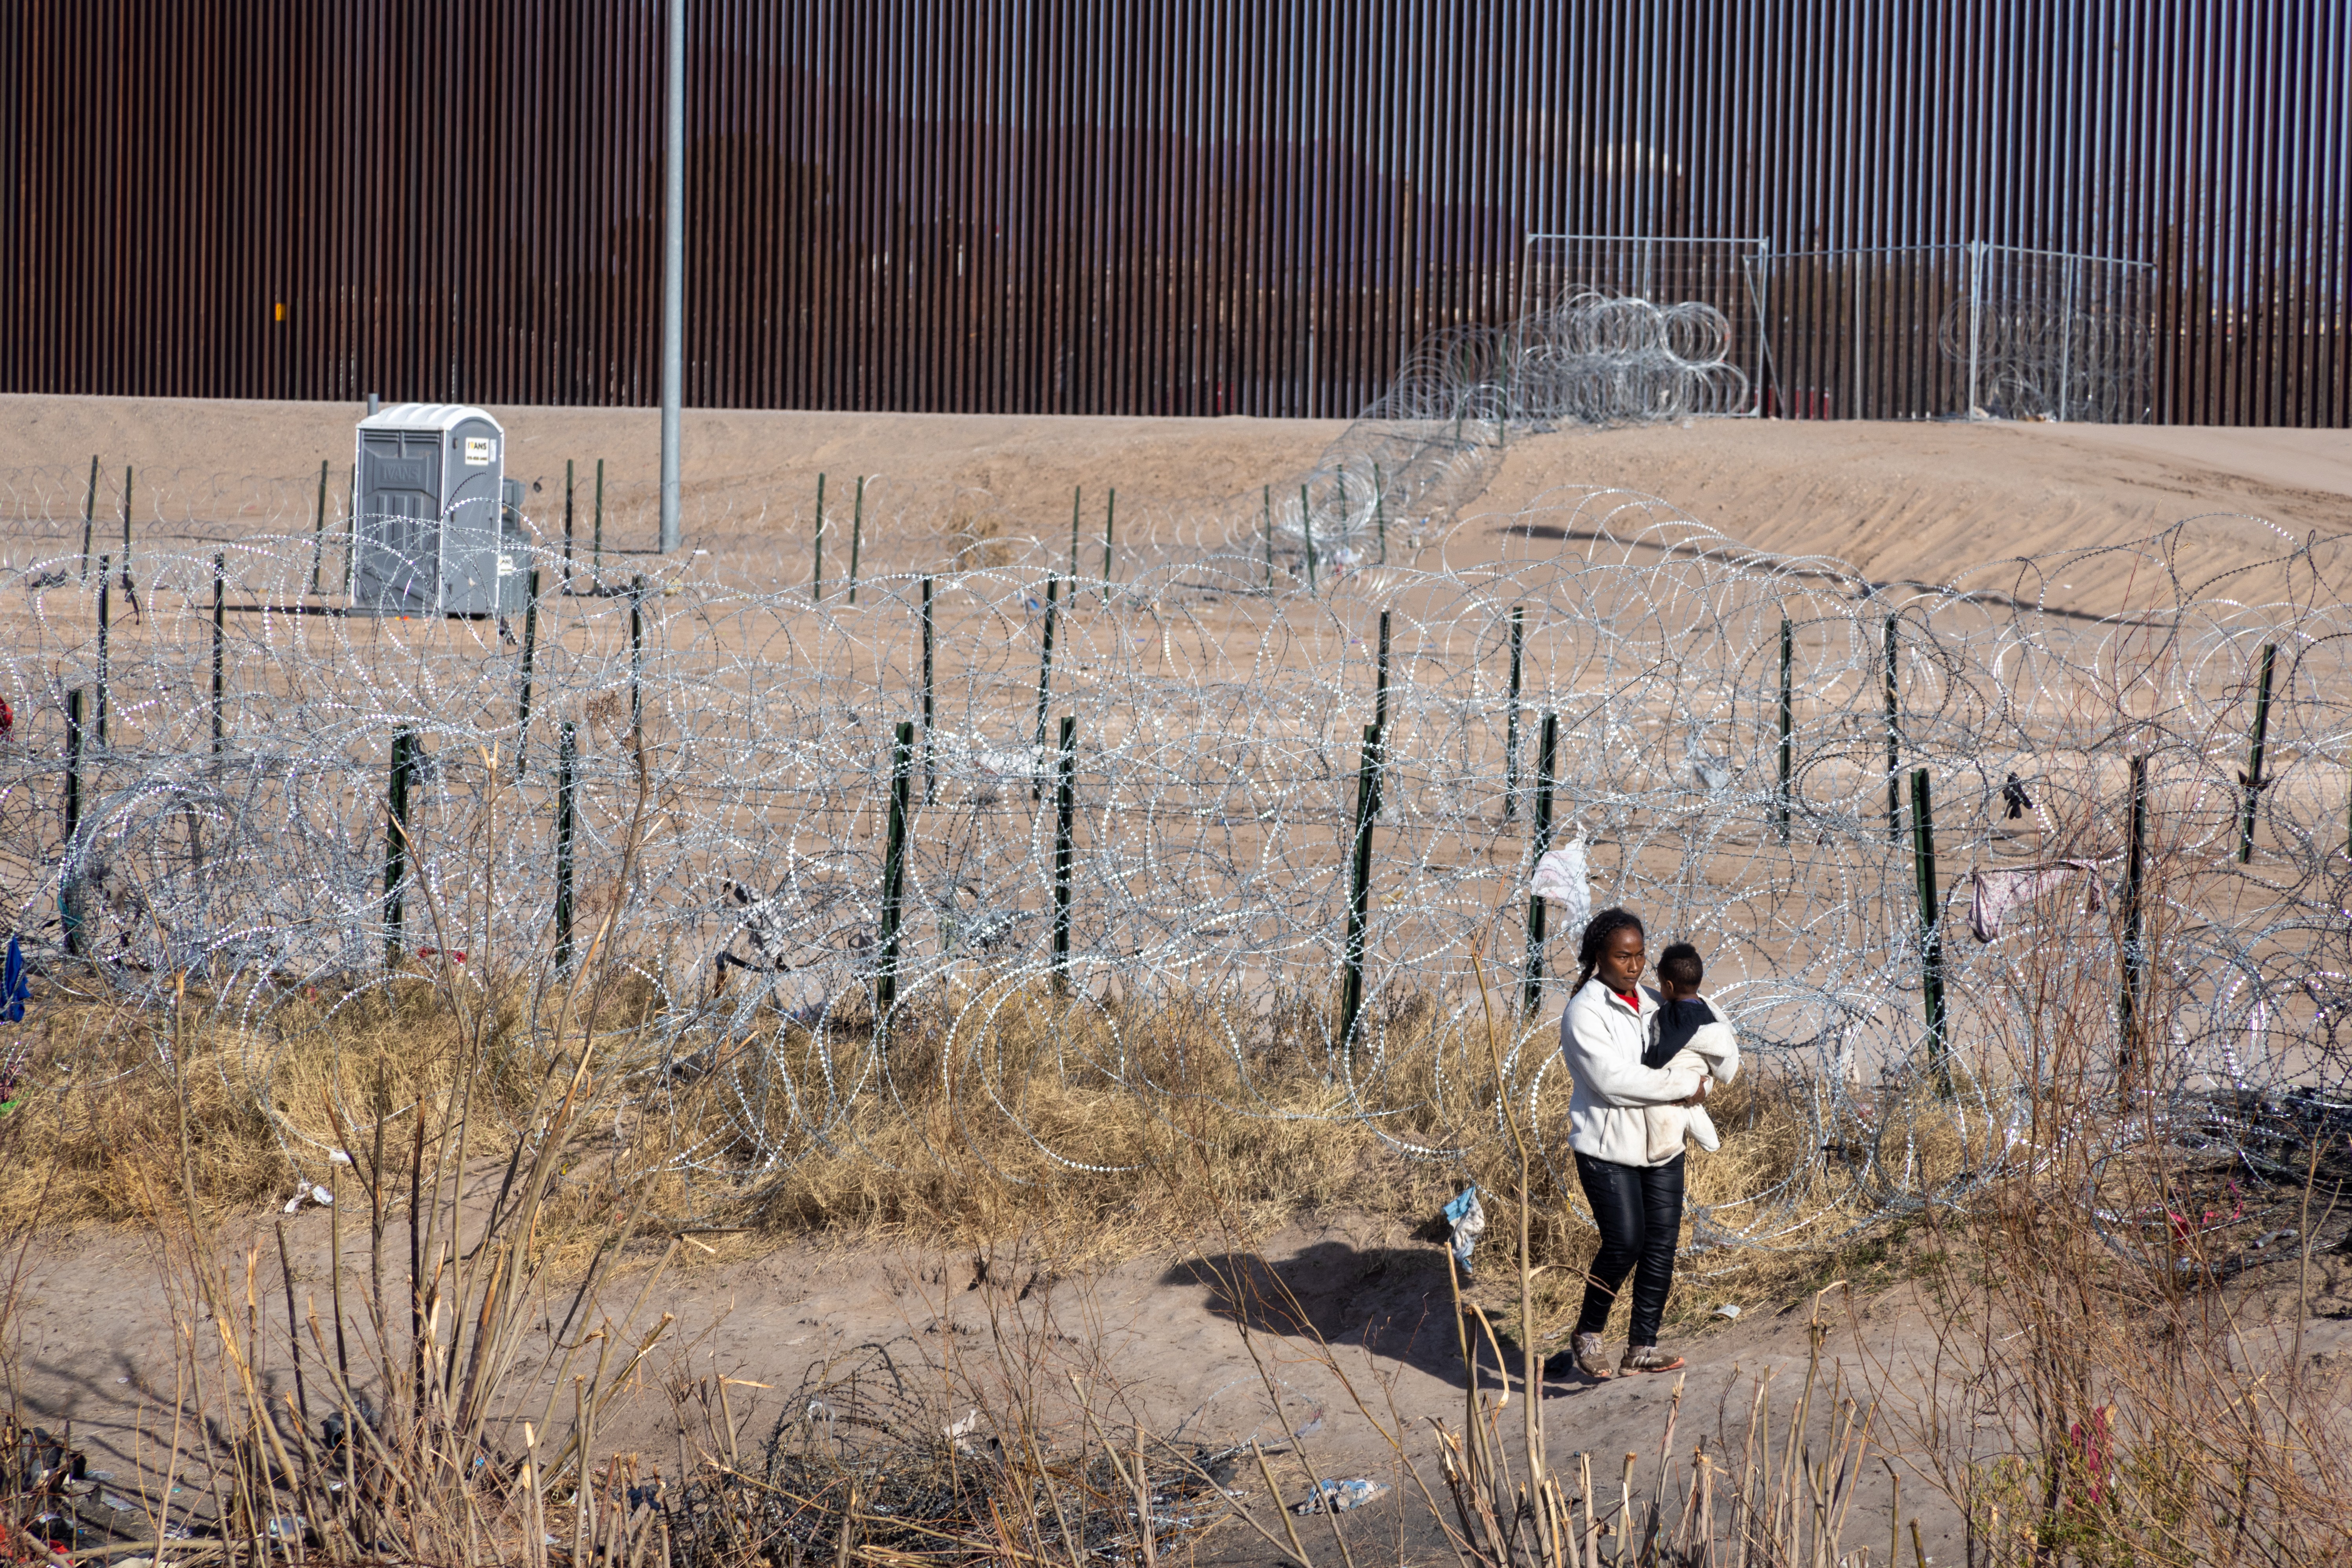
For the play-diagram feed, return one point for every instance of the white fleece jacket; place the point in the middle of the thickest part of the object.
(1602, 1039)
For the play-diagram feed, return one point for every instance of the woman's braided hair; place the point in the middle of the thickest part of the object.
(1597, 933)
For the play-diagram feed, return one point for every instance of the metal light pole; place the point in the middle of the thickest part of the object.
(673, 270)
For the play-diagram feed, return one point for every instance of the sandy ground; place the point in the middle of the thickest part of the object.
(1351, 1318)
(1925, 502)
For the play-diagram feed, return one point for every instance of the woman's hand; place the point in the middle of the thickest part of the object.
(1698, 1096)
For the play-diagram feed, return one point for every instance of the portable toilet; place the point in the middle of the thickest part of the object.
(430, 531)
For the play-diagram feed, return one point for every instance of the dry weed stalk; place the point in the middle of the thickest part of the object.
(409, 1433)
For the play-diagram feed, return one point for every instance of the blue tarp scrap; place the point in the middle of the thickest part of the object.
(14, 989)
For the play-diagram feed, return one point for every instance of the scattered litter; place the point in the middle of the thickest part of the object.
(1465, 1222)
(1338, 1497)
(2270, 1239)
(1728, 1310)
(306, 1192)
(287, 1527)
(956, 1431)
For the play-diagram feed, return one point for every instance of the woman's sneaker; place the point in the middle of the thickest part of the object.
(1589, 1355)
(1647, 1358)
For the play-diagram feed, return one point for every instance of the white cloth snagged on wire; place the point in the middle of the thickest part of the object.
(1563, 878)
(1991, 893)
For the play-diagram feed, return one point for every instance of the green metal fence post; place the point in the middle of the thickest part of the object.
(2134, 953)
(319, 530)
(1306, 531)
(75, 702)
(2252, 780)
(88, 518)
(71, 902)
(1380, 693)
(105, 581)
(816, 581)
(568, 510)
(395, 840)
(1547, 759)
(567, 791)
(1075, 493)
(1931, 928)
(1359, 886)
(1044, 686)
(1511, 716)
(596, 532)
(1894, 742)
(856, 535)
(1064, 852)
(1110, 519)
(1269, 537)
(529, 652)
(1380, 512)
(1782, 803)
(220, 679)
(931, 778)
(636, 659)
(894, 875)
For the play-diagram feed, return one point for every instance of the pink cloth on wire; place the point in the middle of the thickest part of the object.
(1991, 893)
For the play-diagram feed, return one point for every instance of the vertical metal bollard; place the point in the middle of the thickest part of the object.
(1511, 716)
(1110, 519)
(220, 677)
(1306, 531)
(893, 875)
(567, 793)
(931, 778)
(395, 840)
(1269, 536)
(816, 581)
(1064, 853)
(856, 535)
(1547, 758)
(568, 480)
(319, 530)
(637, 659)
(2134, 953)
(1780, 806)
(1359, 886)
(529, 653)
(1894, 742)
(2252, 780)
(1045, 687)
(1931, 928)
(105, 581)
(88, 518)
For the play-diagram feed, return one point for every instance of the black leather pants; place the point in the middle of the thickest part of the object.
(1639, 1209)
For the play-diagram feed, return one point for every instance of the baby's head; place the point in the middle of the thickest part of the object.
(1680, 972)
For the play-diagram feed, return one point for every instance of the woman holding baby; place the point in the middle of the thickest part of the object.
(1643, 1061)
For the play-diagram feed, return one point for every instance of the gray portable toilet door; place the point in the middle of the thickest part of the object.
(398, 550)
(473, 465)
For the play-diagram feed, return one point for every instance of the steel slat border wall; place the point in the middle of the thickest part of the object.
(1192, 207)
